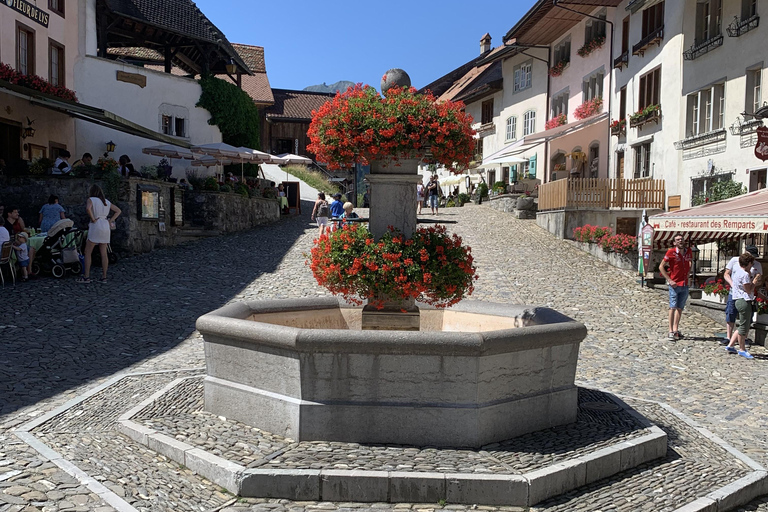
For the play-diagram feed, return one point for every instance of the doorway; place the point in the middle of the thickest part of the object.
(10, 142)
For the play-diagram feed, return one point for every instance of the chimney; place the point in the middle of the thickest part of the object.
(485, 43)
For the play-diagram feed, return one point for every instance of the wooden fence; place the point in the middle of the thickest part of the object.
(601, 193)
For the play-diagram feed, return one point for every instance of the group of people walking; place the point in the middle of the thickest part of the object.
(744, 275)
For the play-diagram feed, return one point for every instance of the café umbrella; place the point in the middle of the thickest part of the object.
(290, 158)
(251, 155)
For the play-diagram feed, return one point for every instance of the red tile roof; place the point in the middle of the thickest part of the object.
(296, 105)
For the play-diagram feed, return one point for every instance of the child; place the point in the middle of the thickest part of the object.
(22, 253)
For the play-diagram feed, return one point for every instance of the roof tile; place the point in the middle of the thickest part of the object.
(290, 104)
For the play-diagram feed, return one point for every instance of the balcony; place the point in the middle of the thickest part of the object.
(739, 27)
(486, 129)
(621, 61)
(746, 128)
(654, 37)
(699, 49)
(602, 194)
(701, 139)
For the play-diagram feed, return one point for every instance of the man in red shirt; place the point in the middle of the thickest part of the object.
(675, 268)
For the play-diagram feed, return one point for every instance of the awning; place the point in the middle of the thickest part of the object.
(566, 129)
(731, 218)
(87, 113)
(504, 155)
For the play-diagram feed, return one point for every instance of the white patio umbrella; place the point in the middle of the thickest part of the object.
(169, 151)
(251, 155)
(218, 149)
(290, 158)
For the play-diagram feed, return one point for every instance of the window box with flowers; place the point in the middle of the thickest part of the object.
(646, 115)
(589, 108)
(34, 82)
(556, 121)
(558, 68)
(591, 46)
(761, 311)
(619, 127)
(715, 291)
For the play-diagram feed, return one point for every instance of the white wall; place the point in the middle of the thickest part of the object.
(98, 86)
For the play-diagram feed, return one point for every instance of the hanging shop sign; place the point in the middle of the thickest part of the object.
(30, 11)
(761, 147)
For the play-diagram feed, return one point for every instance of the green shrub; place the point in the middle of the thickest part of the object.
(450, 203)
(149, 171)
(225, 188)
(242, 190)
(482, 190)
(499, 187)
(211, 185)
(195, 179)
(718, 191)
(41, 166)
(463, 198)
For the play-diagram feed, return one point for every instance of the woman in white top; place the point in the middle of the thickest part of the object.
(99, 231)
(743, 292)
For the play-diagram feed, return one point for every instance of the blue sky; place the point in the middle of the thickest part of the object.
(310, 42)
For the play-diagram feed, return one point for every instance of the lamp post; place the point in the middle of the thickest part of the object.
(695, 254)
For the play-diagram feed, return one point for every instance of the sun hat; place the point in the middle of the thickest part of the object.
(751, 249)
(24, 235)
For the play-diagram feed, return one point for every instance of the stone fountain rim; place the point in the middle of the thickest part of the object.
(232, 321)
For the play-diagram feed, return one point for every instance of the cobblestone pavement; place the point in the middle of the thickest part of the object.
(60, 338)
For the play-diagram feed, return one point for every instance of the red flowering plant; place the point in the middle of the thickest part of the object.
(432, 266)
(558, 68)
(590, 234)
(591, 46)
(556, 121)
(717, 287)
(35, 82)
(589, 108)
(761, 305)
(360, 125)
(619, 243)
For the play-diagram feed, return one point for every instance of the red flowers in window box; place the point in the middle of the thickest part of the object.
(360, 125)
(591, 46)
(717, 287)
(589, 108)
(558, 68)
(35, 82)
(432, 266)
(556, 121)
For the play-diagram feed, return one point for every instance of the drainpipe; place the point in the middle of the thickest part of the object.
(610, 76)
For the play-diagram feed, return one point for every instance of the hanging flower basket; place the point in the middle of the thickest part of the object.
(556, 121)
(591, 46)
(588, 108)
(36, 83)
(360, 125)
(432, 266)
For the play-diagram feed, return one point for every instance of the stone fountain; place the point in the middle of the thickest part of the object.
(321, 369)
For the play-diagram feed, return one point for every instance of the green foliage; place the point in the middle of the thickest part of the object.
(232, 110)
(211, 185)
(482, 190)
(242, 190)
(718, 191)
(450, 203)
(40, 166)
(499, 187)
(314, 179)
(149, 171)
(463, 198)
(225, 188)
(195, 179)
(110, 184)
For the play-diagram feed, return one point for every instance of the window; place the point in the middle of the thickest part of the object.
(650, 89)
(700, 186)
(491, 178)
(56, 6)
(505, 174)
(705, 110)
(594, 29)
(180, 125)
(523, 76)
(653, 19)
(748, 8)
(623, 103)
(487, 112)
(709, 16)
(625, 35)
(592, 87)
(562, 51)
(55, 63)
(529, 123)
(754, 94)
(560, 104)
(511, 133)
(25, 50)
(594, 157)
(478, 149)
(166, 124)
(643, 160)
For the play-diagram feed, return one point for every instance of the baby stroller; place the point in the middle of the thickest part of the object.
(60, 251)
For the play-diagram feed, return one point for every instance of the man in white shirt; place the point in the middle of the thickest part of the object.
(61, 165)
(730, 306)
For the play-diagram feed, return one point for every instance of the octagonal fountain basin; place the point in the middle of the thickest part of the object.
(474, 374)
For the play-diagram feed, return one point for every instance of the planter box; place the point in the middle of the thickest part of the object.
(712, 297)
(761, 319)
(618, 260)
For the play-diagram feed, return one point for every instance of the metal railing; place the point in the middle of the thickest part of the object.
(654, 37)
(699, 49)
(602, 194)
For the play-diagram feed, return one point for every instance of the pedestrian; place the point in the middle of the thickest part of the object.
(730, 306)
(743, 291)
(419, 197)
(22, 254)
(50, 213)
(678, 260)
(432, 192)
(320, 212)
(99, 231)
(337, 207)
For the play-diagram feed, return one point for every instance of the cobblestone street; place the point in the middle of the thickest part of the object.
(60, 339)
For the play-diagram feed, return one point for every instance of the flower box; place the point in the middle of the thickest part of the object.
(556, 121)
(591, 46)
(619, 127)
(651, 113)
(713, 297)
(558, 68)
(589, 108)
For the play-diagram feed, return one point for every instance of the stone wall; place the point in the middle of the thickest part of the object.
(562, 222)
(618, 260)
(212, 211)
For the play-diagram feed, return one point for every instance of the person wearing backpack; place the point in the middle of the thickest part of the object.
(320, 213)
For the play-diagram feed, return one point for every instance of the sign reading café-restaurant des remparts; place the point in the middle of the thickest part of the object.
(29, 10)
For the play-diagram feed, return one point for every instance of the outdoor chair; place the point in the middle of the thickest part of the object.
(5, 259)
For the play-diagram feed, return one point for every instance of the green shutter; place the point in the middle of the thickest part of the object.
(532, 167)
(513, 173)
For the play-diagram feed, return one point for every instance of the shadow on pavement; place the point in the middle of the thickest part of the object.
(57, 334)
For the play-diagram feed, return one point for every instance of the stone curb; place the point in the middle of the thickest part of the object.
(734, 494)
(390, 486)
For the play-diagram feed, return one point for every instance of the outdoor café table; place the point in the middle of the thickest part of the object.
(283, 202)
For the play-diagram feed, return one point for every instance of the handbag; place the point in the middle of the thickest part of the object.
(70, 255)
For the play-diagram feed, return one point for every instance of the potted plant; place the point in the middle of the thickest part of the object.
(715, 291)
(589, 108)
(761, 311)
(649, 113)
(556, 121)
(618, 127)
(558, 68)
(591, 46)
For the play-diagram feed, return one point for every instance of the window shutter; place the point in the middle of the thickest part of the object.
(513, 173)
(532, 167)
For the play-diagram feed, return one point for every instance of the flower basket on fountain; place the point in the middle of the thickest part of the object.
(715, 291)
(392, 134)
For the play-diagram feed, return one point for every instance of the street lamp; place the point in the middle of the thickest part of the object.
(110, 147)
(231, 67)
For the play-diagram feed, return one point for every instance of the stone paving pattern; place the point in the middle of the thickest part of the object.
(60, 339)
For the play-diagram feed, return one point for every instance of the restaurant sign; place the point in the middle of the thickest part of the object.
(761, 147)
(29, 10)
(723, 224)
